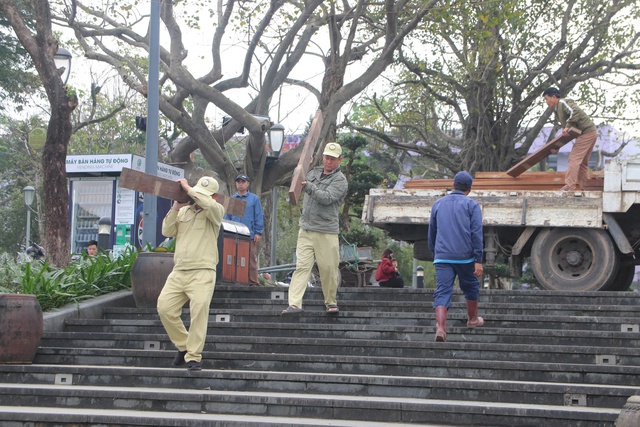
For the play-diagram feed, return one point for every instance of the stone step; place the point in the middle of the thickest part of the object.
(539, 393)
(433, 365)
(14, 416)
(315, 314)
(257, 304)
(318, 406)
(363, 348)
(542, 359)
(456, 332)
(346, 294)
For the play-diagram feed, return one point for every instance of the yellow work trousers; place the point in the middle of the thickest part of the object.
(578, 169)
(195, 286)
(322, 248)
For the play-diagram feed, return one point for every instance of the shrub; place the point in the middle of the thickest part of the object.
(80, 280)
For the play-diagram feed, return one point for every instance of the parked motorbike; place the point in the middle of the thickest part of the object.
(33, 252)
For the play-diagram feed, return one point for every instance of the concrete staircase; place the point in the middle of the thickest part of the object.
(541, 359)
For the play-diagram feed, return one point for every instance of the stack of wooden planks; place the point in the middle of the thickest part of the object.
(550, 181)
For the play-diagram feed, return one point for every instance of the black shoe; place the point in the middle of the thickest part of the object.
(194, 365)
(179, 359)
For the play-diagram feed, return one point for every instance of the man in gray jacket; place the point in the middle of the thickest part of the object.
(325, 188)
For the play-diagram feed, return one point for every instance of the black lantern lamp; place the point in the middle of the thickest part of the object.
(276, 138)
(62, 59)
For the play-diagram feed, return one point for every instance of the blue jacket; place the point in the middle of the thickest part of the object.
(253, 217)
(455, 229)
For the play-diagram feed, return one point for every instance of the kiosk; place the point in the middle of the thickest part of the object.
(94, 193)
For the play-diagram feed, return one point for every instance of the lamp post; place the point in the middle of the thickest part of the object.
(62, 58)
(276, 140)
(29, 194)
(104, 233)
(150, 206)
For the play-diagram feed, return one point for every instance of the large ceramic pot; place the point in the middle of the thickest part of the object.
(149, 272)
(20, 328)
(630, 414)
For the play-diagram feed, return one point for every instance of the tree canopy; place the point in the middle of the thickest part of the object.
(17, 77)
(468, 88)
(268, 39)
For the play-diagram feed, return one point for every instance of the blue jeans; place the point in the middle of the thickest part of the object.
(445, 276)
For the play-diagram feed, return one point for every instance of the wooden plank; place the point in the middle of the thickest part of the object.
(172, 190)
(543, 152)
(300, 172)
(530, 175)
(554, 183)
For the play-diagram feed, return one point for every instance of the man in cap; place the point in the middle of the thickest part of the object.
(195, 227)
(253, 219)
(570, 115)
(455, 239)
(325, 188)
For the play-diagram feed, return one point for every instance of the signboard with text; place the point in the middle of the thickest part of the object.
(96, 163)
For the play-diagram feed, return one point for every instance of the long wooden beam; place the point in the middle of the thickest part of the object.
(543, 152)
(300, 172)
(162, 187)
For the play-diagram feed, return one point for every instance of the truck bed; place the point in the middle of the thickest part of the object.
(393, 210)
(512, 202)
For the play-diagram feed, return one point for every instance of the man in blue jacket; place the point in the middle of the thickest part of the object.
(455, 239)
(253, 219)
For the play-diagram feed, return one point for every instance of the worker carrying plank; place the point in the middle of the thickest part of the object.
(571, 116)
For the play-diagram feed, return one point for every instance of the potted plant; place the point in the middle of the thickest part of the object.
(20, 328)
(149, 272)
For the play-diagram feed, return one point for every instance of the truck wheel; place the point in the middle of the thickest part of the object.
(565, 259)
(624, 278)
(421, 250)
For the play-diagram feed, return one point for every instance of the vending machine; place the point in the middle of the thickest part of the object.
(91, 199)
(94, 194)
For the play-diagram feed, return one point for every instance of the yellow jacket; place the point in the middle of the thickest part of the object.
(196, 233)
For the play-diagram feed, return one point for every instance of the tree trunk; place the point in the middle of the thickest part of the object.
(56, 194)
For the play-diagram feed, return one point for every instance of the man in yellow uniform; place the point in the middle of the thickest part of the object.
(196, 227)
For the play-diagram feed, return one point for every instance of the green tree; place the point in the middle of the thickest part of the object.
(274, 35)
(20, 167)
(41, 47)
(31, 23)
(104, 121)
(468, 95)
(360, 174)
(17, 77)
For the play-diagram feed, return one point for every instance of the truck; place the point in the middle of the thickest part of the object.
(572, 240)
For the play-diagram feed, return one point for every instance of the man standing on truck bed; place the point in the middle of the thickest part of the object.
(570, 115)
(455, 239)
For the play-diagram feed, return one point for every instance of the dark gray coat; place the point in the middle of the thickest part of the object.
(322, 200)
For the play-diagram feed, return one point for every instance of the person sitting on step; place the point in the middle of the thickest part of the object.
(387, 273)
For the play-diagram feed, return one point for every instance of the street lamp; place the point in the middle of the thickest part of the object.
(104, 233)
(276, 140)
(29, 194)
(62, 58)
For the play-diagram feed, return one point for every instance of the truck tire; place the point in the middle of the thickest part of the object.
(568, 259)
(421, 250)
(624, 278)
